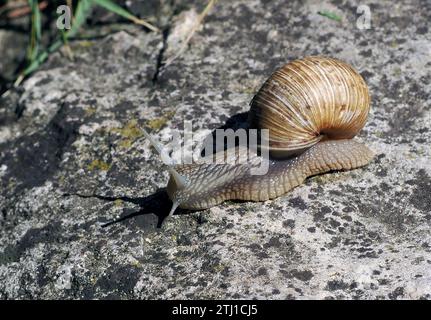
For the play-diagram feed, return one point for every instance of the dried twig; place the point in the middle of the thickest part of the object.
(12, 5)
(145, 24)
(192, 32)
(24, 10)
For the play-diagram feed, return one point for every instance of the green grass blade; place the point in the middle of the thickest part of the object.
(82, 11)
(330, 15)
(115, 8)
(41, 57)
(37, 58)
(36, 30)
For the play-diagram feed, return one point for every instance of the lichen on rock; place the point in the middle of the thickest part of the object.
(72, 159)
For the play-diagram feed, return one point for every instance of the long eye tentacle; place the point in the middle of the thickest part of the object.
(180, 181)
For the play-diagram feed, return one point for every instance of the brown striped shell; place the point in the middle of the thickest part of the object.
(308, 100)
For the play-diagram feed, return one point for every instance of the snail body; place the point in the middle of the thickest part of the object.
(313, 107)
(220, 182)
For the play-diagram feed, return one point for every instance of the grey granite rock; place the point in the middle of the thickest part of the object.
(72, 158)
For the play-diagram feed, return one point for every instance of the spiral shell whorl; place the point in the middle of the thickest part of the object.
(308, 100)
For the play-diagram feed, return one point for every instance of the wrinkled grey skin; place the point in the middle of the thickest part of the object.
(357, 235)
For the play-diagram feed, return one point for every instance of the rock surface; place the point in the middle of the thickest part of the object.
(72, 158)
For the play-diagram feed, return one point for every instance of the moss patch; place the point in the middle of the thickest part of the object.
(99, 165)
(129, 133)
(130, 130)
(158, 123)
(125, 143)
(90, 111)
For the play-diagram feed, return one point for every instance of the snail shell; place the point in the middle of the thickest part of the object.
(309, 100)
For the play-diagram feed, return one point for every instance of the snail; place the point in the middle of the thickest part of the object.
(313, 108)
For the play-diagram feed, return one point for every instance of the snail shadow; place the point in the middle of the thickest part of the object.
(235, 122)
(157, 204)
